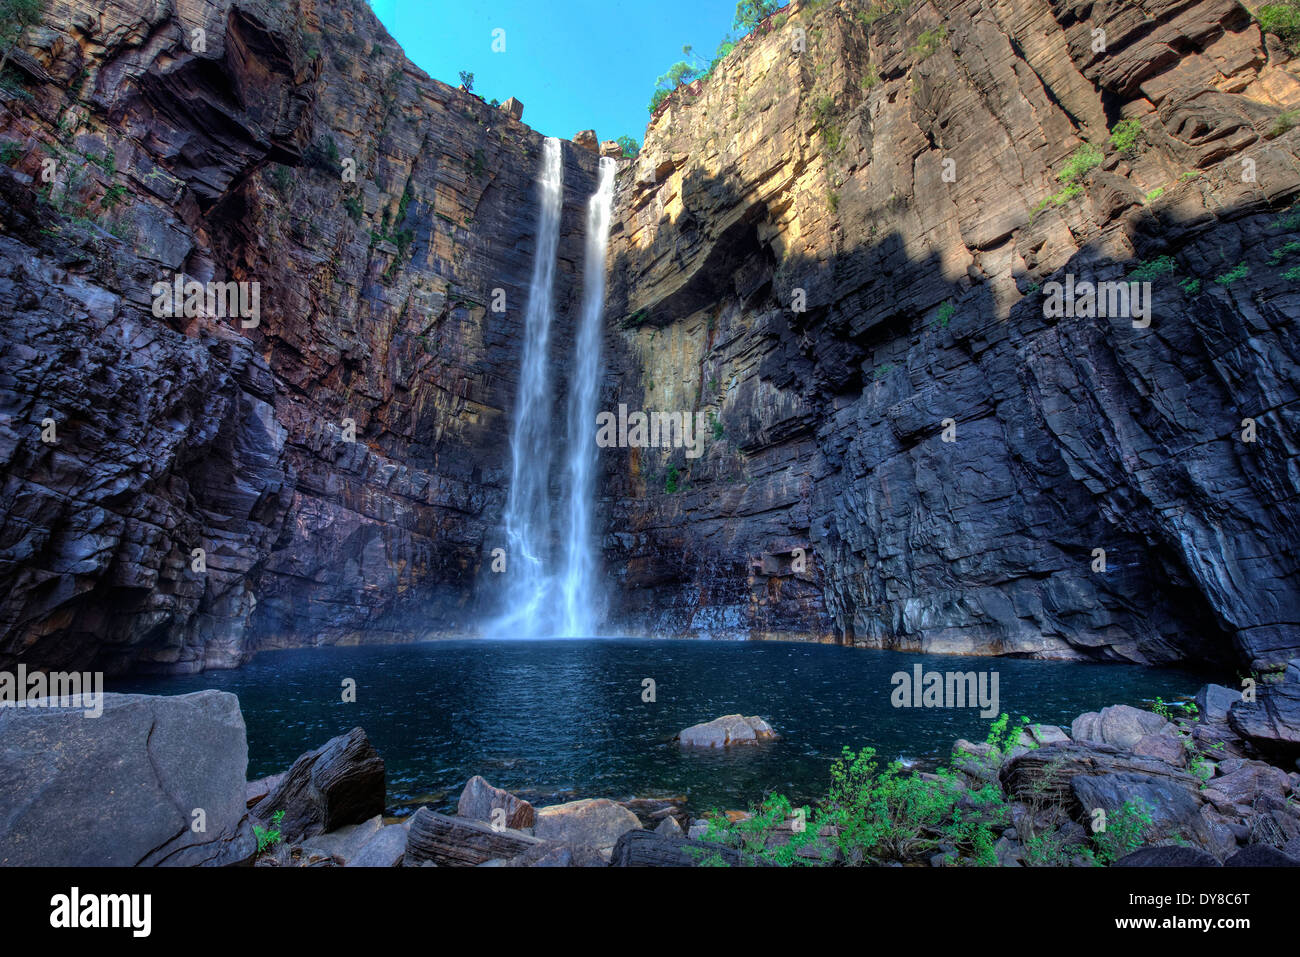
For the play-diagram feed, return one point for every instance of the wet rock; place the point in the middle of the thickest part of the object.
(729, 730)
(479, 799)
(340, 783)
(122, 789)
(595, 823)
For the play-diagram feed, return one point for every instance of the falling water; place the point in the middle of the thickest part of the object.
(527, 510)
(577, 587)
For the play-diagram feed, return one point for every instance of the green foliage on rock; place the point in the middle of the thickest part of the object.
(1282, 20)
(15, 17)
(1124, 135)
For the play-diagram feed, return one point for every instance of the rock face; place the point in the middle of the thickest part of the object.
(731, 729)
(1272, 722)
(338, 784)
(377, 210)
(842, 258)
(127, 788)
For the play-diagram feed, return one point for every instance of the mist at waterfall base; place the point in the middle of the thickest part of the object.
(549, 583)
(557, 720)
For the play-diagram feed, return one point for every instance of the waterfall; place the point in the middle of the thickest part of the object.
(577, 587)
(550, 594)
(527, 509)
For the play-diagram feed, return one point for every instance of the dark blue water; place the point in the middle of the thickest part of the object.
(562, 719)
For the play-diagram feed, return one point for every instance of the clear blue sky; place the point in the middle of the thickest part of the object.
(574, 64)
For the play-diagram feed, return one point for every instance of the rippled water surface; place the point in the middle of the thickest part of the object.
(566, 718)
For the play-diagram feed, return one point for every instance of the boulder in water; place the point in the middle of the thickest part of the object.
(731, 729)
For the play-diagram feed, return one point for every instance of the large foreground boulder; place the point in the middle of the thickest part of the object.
(154, 780)
(577, 825)
(340, 783)
(730, 729)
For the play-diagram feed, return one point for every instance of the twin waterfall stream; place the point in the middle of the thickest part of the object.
(551, 570)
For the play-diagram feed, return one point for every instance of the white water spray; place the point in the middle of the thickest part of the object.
(579, 608)
(527, 510)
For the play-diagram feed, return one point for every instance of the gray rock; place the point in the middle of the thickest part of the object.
(344, 843)
(1261, 855)
(1119, 725)
(731, 729)
(121, 789)
(385, 849)
(1272, 722)
(669, 827)
(596, 823)
(479, 799)
(1213, 702)
(1166, 855)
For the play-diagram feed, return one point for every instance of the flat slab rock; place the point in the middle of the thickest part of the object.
(724, 732)
(120, 790)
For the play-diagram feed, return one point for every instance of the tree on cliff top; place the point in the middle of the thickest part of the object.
(749, 13)
(15, 17)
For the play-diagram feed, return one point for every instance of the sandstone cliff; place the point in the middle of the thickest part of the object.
(897, 174)
(212, 139)
(904, 176)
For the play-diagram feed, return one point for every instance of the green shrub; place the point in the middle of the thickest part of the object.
(1191, 286)
(1126, 829)
(1282, 252)
(1081, 162)
(1153, 269)
(1285, 121)
(268, 837)
(944, 315)
(1292, 274)
(928, 43)
(1124, 135)
(1155, 194)
(671, 480)
(630, 146)
(1233, 274)
(354, 208)
(1282, 20)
